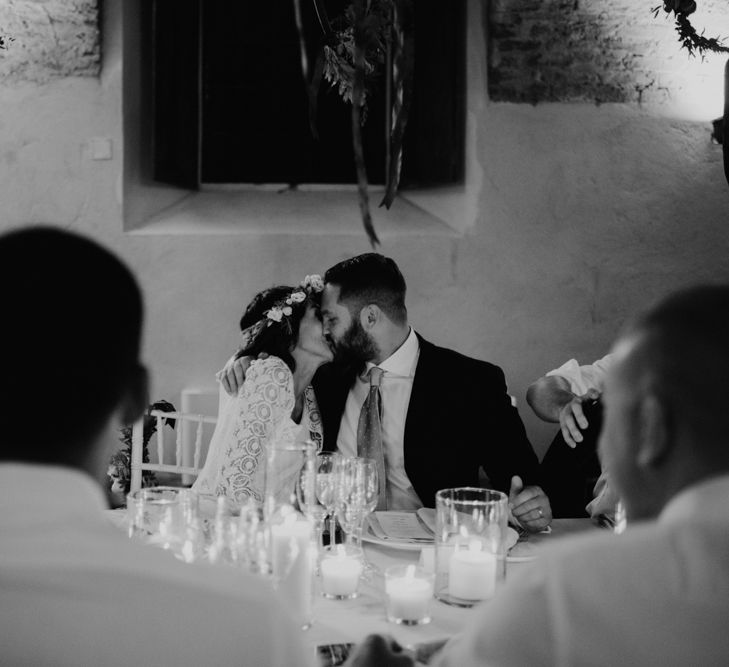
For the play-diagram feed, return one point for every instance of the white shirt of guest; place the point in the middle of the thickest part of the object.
(395, 389)
(75, 591)
(656, 595)
(582, 379)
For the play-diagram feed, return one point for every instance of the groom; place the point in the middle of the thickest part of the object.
(443, 415)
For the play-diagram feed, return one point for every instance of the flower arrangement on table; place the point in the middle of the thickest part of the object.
(691, 40)
(120, 465)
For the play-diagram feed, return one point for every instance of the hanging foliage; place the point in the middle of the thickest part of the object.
(690, 39)
(368, 37)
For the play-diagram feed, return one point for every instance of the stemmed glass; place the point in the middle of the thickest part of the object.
(325, 488)
(307, 493)
(356, 494)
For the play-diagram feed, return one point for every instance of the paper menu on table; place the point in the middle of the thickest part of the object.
(402, 526)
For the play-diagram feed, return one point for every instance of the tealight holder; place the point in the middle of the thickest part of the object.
(470, 553)
(340, 568)
(408, 594)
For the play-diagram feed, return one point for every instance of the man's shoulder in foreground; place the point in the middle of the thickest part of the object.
(607, 599)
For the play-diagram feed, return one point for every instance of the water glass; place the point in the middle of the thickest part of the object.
(470, 546)
(167, 517)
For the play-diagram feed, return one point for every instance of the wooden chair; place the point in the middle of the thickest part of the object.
(180, 466)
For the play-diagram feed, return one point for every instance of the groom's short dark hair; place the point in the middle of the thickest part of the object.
(370, 278)
(72, 317)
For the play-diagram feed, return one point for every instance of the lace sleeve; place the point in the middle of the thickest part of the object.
(266, 399)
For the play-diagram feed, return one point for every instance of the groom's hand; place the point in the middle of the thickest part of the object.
(529, 505)
(233, 374)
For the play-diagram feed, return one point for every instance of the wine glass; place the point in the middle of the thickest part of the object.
(325, 488)
(356, 494)
(308, 498)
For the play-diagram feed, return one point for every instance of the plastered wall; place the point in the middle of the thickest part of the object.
(581, 215)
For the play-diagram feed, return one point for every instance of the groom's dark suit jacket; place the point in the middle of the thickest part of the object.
(459, 418)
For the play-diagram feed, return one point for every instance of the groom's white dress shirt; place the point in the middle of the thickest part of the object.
(396, 386)
(74, 590)
(656, 595)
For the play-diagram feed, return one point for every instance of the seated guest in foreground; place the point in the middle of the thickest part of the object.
(74, 590)
(276, 403)
(659, 593)
(441, 415)
(571, 472)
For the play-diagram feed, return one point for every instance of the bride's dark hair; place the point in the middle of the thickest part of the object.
(279, 338)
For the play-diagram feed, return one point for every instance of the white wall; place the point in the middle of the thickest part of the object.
(583, 214)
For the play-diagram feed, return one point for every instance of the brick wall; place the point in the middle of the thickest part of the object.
(50, 39)
(589, 50)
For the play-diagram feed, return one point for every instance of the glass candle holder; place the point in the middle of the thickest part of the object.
(470, 550)
(340, 567)
(408, 594)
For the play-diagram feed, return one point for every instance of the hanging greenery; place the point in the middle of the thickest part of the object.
(369, 40)
(690, 39)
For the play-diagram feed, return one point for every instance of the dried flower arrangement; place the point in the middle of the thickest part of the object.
(120, 465)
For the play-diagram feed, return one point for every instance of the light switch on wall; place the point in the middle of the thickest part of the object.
(100, 148)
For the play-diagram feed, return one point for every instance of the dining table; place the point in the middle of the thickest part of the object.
(349, 621)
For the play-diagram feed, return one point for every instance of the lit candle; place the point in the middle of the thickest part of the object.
(472, 573)
(340, 574)
(292, 564)
(408, 596)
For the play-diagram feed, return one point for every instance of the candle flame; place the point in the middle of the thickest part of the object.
(410, 573)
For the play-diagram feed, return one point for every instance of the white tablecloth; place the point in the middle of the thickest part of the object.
(344, 621)
(350, 621)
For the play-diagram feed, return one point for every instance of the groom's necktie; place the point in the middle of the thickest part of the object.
(369, 432)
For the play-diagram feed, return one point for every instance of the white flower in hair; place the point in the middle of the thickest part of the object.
(296, 297)
(313, 282)
(275, 314)
(286, 310)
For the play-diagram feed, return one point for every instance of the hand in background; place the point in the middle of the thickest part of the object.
(233, 374)
(529, 505)
(572, 418)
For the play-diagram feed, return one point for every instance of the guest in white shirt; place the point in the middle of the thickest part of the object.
(659, 593)
(74, 591)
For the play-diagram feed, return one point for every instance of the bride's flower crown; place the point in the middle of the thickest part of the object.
(283, 309)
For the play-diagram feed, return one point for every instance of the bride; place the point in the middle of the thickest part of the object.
(276, 403)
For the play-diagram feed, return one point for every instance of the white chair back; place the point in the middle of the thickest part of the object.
(180, 466)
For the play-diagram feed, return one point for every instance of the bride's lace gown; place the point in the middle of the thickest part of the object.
(249, 424)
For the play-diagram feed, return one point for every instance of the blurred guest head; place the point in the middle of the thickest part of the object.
(667, 424)
(284, 321)
(70, 340)
(362, 303)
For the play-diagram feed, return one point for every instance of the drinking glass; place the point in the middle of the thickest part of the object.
(325, 488)
(167, 517)
(356, 492)
(308, 497)
(621, 520)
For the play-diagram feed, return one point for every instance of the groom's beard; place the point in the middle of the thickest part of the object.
(355, 345)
